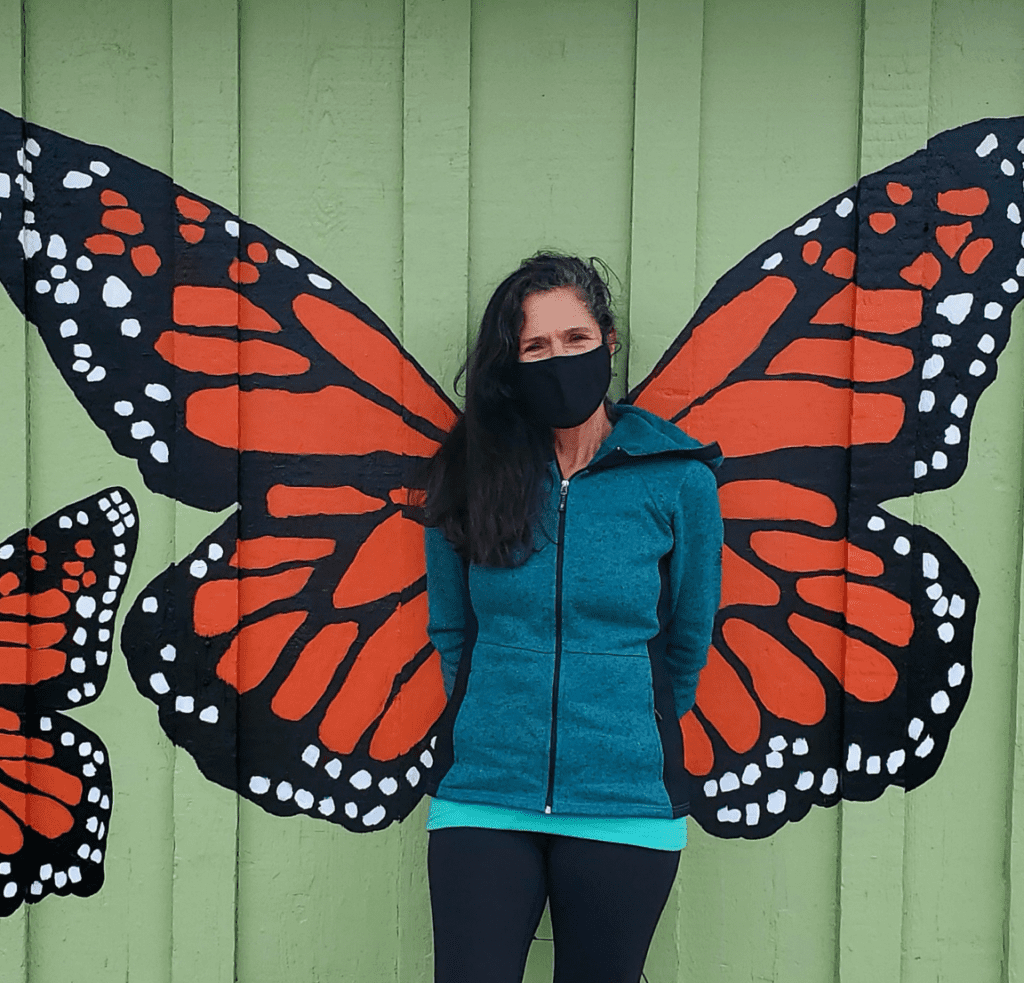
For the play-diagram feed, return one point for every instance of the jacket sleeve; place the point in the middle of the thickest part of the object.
(695, 580)
(446, 598)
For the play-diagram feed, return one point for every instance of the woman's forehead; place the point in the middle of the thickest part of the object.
(554, 310)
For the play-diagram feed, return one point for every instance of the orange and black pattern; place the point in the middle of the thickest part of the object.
(60, 585)
(837, 366)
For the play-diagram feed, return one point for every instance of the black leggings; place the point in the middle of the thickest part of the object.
(487, 893)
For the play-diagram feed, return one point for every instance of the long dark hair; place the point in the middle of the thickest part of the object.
(486, 485)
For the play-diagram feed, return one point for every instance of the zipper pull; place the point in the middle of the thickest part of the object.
(564, 494)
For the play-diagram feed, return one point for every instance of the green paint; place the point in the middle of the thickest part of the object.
(419, 149)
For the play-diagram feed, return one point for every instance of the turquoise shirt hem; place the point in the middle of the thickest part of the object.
(655, 834)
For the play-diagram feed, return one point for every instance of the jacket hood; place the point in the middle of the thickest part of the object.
(639, 433)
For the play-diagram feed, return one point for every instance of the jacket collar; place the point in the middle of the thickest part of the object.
(638, 433)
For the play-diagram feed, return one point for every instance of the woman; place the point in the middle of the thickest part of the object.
(573, 568)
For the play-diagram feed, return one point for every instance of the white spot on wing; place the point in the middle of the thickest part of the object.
(76, 179)
(987, 145)
(955, 307)
(66, 292)
(116, 292)
(31, 242)
(772, 261)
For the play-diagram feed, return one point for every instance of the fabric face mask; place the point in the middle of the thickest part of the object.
(564, 391)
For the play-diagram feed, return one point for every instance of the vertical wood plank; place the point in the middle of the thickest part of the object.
(663, 250)
(666, 173)
(896, 75)
(961, 914)
(205, 158)
(321, 168)
(435, 187)
(779, 105)
(14, 930)
(1015, 848)
(434, 327)
(100, 72)
(551, 118)
(894, 123)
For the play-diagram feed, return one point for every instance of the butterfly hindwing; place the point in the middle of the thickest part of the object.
(852, 684)
(290, 658)
(55, 801)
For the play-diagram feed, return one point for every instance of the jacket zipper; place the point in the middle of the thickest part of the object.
(563, 494)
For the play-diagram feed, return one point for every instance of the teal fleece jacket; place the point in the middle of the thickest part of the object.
(568, 675)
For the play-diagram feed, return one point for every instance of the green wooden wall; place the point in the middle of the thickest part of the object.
(418, 149)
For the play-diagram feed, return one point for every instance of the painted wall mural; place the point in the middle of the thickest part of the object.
(60, 585)
(838, 366)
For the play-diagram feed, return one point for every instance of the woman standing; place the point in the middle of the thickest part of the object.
(573, 569)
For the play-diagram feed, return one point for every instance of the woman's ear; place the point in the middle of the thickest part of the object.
(612, 342)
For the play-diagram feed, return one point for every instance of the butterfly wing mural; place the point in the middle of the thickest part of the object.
(837, 366)
(60, 585)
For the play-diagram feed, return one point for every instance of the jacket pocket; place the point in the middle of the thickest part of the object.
(502, 730)
(610, 759)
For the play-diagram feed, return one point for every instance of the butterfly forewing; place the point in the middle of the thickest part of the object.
(60, 585)
(161, 309)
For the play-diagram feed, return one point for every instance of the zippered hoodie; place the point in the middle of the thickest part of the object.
(568, 674)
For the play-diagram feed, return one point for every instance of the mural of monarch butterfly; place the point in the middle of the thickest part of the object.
(838, 365)
(60, 585)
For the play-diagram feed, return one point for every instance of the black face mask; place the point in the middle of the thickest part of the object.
(564, 391)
